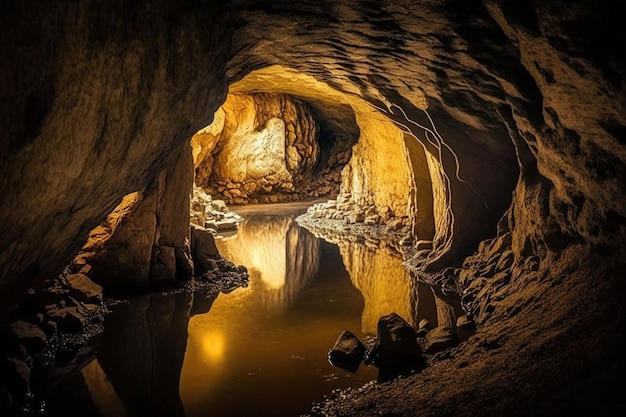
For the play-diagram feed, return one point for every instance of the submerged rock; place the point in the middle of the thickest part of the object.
(347, 353)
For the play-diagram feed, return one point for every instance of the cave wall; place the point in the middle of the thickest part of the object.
(260, 145)
(95, 97)
(145, 243)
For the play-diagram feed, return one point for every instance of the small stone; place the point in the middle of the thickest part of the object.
(347, 353)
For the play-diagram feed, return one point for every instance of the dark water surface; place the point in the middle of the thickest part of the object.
(256, 351)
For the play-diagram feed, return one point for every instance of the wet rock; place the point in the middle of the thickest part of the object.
(83, 289)
(29, 335)
(347, 353)
(441, 338)
(396, 351)
(71, 319)
(202, 248)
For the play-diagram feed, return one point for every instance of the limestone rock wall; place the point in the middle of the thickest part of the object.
(519, 107)
(261, 147)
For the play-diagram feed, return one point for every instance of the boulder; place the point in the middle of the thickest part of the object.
(203, 248)
(347, 353)
(396, 351)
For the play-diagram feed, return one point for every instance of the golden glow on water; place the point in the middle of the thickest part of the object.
(281, 258)
(213, 344)
(257, 351)
(382, 280)
(262, 350)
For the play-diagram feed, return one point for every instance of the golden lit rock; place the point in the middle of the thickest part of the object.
(257, 144)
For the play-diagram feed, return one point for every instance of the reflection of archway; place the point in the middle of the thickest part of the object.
(281, 256)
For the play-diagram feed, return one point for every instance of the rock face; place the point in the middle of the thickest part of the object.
(260, 147)
(148, 242)
(519, 109)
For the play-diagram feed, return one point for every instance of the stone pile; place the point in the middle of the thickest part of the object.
(326, 184)
(48, 320)
(345, 209)
(211, 214)
(487, 275)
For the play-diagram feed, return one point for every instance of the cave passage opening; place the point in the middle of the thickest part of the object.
(283, 136)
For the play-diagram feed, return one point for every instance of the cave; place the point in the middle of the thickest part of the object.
(458, 163)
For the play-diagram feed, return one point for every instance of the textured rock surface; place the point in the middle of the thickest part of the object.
(144, 243)
(347, 353)
(261, 146)
(520, 108)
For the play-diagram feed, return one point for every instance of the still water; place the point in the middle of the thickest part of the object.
(259, 350)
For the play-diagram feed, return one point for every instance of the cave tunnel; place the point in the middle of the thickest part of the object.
(459, 164)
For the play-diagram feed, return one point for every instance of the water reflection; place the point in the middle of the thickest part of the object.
(376, 270)
(382, 280)
(281, 258)
(262, 350)
(256, 351)
(136, 370)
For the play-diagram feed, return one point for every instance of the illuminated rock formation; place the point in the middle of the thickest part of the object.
(259, 147)
(145, 243)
